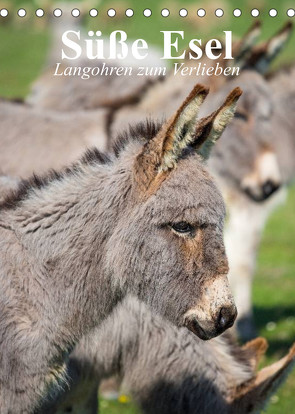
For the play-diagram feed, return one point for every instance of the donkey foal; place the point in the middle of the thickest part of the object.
(245, 162)
(73, 244)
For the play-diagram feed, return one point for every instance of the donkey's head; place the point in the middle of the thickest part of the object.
(246, 159)
(171, 239)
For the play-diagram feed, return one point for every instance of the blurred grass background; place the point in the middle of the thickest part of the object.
(23, 49)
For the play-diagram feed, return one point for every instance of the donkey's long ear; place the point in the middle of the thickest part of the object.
(210, 128)
(254, 395)
(263, 55)
(180, 131)
(244, 46)
(255, 349)
(162, 153)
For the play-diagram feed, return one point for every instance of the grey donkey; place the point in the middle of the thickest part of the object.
(146, 221)
(171, 368)
(282, 83)
(244, 163)
(36, 140)
(174, 372)
(266, 183)
(70, 93)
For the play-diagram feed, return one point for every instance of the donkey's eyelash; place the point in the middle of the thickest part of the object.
(184, 229)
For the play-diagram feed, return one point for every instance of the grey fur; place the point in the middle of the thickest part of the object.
(69, 94)
(74, 244)
(167, 369)
(282, 84)
(7, 184)
(35, 140)
(233, 160)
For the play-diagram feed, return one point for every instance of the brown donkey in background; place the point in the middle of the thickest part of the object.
(147, 222)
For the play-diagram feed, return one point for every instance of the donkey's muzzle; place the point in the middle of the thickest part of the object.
(205, 330)
(268, 188)
(194, 326)
(226, 318)
(263, 192)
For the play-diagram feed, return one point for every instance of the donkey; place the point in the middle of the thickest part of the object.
(34, 140)
(251, 182)
(273, 167)
(70, 93)
(75, 243)
(246, 168)
(174, 371)
(283, 85)
(245, 164)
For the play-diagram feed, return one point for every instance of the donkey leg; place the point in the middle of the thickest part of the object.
(242, 239)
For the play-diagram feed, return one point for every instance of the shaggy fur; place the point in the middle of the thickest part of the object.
(73, 245)
(7, 186)
(167, 370)
(237, 162)
(248, 183)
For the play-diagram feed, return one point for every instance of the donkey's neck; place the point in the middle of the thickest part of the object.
(64, 228)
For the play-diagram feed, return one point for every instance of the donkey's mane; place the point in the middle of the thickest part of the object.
(143, 132)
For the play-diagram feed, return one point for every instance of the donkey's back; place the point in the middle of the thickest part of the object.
(47, 139)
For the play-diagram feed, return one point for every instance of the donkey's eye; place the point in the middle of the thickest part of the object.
(182, 227)
(241, 115)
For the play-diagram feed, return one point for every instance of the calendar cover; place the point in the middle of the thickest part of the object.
(147, 161)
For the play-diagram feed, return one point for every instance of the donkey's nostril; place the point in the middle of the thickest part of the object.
(268, 188)
(226, 318)
(222, 321)
(262, 192)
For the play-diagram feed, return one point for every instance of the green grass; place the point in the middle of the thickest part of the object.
(116, 407)
(23, 48)
(274, 294)
(22, 52)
